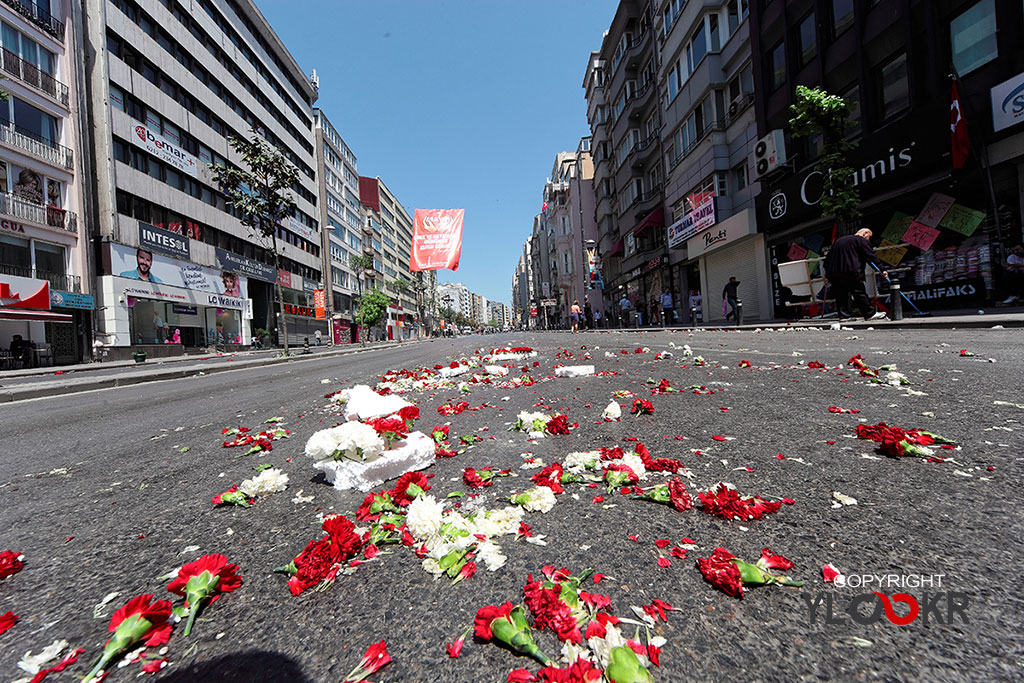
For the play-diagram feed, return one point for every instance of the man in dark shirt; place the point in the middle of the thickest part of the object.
(844, 268)
(730, 294)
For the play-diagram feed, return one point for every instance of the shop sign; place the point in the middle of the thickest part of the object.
(308, 286)
(533, 311)
(59, 299)
(163, 149)
(703, 216)
(300, 228)
(185, 310)
(222, 301)
(304, 311)
(24, 292)
(11, 226)
(156, 268)
(284, 278)
(654, 262)
(141, 289)
(952, 294)
(884, 161)
(1008, 103)
(163, 241)
(729, 230)
(244, 266)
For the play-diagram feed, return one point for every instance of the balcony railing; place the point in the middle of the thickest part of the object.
(65, 283)
(29, 73)
(36, 145)
(708, 129)
(38, 16)
(51, 216)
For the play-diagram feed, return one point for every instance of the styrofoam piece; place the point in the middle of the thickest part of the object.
(454, 372)
(496, 370)
(416, 452)
(498, 357)
(574, 371)
(366, 404)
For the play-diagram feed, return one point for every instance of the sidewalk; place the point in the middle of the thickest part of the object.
(18, 385)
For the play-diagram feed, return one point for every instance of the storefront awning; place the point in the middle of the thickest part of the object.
(655, 218)
(30, 314)
(617, 249)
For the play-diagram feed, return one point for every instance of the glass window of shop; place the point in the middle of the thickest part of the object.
(149, 323)
(223, 326)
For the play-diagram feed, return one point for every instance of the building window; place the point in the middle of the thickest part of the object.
(808, 42)
(852, 97)
(973, 37)
(895, 87)
(740, 173)
(777, 66)
(842, 16)
(696, 48)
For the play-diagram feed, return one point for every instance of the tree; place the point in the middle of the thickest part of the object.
(373, 307)
(261, 196)
(817, 112)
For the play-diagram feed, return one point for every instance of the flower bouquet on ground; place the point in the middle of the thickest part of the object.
(730, 574)
(318, 564)
(897, 442)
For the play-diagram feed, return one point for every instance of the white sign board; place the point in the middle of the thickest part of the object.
(701, 218)
(729, 230)
(162, 148)
(1008, 103)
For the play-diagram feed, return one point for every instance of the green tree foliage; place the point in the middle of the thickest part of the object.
(817, 112)
(373, 307)
(261, 196)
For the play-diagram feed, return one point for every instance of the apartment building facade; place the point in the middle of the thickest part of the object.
(708, 137)
(943, 230)
(46, 295)
(341, 216)
(456, 297)
(168, 83)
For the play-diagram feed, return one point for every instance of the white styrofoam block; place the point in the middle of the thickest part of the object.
(574, 371)
(366, 404)
(496, 370)
(416, 452)
(453, 372)
(499, 357)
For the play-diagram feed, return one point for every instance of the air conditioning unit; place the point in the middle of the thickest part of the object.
(769, 153)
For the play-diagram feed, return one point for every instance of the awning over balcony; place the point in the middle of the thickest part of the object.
(617, 249)
(655, 218)
(29, 314)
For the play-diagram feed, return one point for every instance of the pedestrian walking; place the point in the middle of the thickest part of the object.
(624, 306)
(730, 294)
(666, 307)
(654, 310)
(597, 319)
(319, 337)
(588, 312)
(574, 314)
(844, 269)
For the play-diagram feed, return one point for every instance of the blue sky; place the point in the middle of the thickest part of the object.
(454, 104)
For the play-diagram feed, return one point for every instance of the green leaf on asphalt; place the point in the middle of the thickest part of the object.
(184, 449)
(264, 466)
(455, 494)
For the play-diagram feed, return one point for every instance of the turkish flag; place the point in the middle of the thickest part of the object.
(958, 131)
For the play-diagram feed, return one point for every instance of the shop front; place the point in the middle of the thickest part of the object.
(26, 320)
(167, 304)
(732, 249)
(933, 227)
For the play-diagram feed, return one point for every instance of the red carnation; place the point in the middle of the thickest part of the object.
(473, 480)
(551, 612)
(485, 617)
(642, 407)
(679, 497)
(410, 485)
(7, 621)
(550, 476)
(139, 620)
(202, 582)
(727, 504)
(10, 563)
(559, 424)
(721, 571)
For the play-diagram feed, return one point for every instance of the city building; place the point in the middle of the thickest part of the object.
(387, 237)
(341, 215)
(498, 314)
(480, 310)
(168, 83)
(46, 294)
(708, 137)
(455, 297)
(943, 223)
(544, 268)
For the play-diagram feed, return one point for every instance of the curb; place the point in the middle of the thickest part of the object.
(64, 387)
(905, 324)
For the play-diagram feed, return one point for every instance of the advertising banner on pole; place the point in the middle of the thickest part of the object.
(319, 304)
(436, 239)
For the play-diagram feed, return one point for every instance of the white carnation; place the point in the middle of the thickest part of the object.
(633, 461)
(423, 516)
(612, 412)
(896, 379)
(497, 522)
(33, 664)
(321, 445)
(355, 440)
(490, 554)
(431, 566)
(580, 460)
(540, 499)
(270, 480)
(602, 647)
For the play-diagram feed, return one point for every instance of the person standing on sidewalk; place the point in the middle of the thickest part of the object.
(730, 293)
(844, 269)
(319, 337)
(588, 312)
(666, 307)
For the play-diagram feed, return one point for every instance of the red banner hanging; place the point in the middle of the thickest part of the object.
(436, 239)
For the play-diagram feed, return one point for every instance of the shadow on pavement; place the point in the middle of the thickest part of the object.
(254, 666)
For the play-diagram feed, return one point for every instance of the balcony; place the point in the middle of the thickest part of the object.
(50, 216)
(681, 154)
(36, 145)
(38, 16)
(31, 75)
(642, 150)
(65, 283)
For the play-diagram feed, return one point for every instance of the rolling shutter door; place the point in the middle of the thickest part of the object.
(740, 261)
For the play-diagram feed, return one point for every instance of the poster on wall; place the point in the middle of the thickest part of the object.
(147, 266)
(436, 239)
(28, 185)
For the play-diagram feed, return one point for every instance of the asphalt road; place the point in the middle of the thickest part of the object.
(101, 495)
